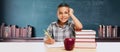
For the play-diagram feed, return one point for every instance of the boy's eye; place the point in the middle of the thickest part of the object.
(60, 12)
(66, 12)
(63, 12)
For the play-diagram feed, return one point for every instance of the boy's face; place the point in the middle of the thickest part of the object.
(63, 14)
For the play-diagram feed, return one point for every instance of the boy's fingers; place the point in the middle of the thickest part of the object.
(50, 41)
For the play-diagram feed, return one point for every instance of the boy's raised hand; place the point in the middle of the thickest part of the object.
(71, 11)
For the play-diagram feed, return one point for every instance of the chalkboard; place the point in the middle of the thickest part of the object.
(40, 13)
(1, 11)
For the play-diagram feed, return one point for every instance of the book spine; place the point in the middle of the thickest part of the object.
(85, 44)
(13, 27)
(85, 36)
(85, 32)
(29, 31)
(9, 31)
(21, 33)
(5, 35)
(24, 32)
(104, 30)
(85, 39)
(17, 32)
(100, 31)
(2, 30)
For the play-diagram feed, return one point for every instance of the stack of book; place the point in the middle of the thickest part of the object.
(108, 31)
(12, 31)
(85, 39)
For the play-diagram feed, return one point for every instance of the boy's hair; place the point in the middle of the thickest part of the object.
(63, 5)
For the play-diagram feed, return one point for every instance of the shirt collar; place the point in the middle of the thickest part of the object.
(64, 24)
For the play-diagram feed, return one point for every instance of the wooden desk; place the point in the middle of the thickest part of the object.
(60, 48)
(74, 50)
(40, 47)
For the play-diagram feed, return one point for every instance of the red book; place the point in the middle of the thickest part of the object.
(85, 32)
(17, 33)
(21, 33)
(85, 39)
(24, 32)
(2, 30)
(13, 27)
(85, 36)
(6, 30)
(9, 31)
(86, 44)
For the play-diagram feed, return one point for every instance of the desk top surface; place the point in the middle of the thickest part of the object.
(41, 47)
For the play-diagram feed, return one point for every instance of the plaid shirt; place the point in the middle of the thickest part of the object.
(60, 33)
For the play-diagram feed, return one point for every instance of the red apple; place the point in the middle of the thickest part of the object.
(69, 43)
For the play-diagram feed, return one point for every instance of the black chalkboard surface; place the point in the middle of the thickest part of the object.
(40, 13)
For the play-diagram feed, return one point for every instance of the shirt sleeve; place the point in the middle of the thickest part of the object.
(72, 29)
(72, 24)
(50, 30)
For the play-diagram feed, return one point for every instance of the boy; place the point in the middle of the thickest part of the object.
(63, 28)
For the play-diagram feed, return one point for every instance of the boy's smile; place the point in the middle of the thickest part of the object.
(63, 14)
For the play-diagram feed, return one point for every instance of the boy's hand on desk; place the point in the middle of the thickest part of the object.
(49, 41)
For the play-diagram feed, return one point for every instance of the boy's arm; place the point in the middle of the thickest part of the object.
(48, 39)
(78, 24)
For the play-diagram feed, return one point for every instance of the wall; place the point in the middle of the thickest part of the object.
(40, 13)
